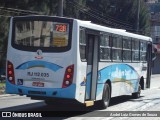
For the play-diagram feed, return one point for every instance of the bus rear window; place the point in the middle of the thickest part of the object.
(42, 34)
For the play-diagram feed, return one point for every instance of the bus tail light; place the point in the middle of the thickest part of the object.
(10, 72)
(68, 76)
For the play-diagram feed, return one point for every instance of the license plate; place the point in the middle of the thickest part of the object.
(38, 84)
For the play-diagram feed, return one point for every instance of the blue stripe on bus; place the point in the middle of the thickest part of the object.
(37, 63)
(68, 92)
(119, 71)
(116, 73)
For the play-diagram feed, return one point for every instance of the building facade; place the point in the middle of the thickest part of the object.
(151, 1)
(154, 7)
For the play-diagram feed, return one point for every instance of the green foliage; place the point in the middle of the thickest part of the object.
(2, 85)
(46, 7)
(3, 31)
(144, 23)
(4, 28)
(121, 11)
(73, 8)
(124, 11)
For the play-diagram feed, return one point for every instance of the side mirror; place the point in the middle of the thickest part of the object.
(154, 53)
(154, 56)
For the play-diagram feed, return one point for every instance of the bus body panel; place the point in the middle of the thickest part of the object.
(68, 92)
(43, 75)
(50, 71)
(124, 78)
(124, 84)
(40, 75)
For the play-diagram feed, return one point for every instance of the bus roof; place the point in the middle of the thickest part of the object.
(90, 25)
(123, 32)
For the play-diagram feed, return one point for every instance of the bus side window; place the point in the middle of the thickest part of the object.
(135, 50)
(126, 49)
(82, 43)
(117, 48)
(143, 49)
(105, 49)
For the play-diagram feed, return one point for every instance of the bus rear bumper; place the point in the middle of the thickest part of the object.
(68, 92)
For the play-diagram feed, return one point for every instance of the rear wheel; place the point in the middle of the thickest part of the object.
(104, 103)
(137, 94)
(50, 102)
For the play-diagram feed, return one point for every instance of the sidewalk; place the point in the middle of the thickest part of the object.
(155, 81)
(155, 75)
(7, 95)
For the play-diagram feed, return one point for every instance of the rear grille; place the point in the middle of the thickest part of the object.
(37, 92)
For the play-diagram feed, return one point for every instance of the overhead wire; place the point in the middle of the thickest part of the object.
(5, 16)
(92, 15)
(119, 24)
(110, 23)
(15, 12)
(98, 17)
(83, 9)
(101, 14)
(19, 10)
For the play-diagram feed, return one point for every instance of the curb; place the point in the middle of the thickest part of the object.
(7, 95)
(155, 75)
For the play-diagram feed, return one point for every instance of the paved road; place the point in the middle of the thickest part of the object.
(149, 101)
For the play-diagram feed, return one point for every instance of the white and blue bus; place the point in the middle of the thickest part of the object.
(55, 58)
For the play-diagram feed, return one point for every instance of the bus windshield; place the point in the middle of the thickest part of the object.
(42, 34)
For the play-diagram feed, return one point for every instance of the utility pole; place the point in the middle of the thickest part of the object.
(138, 10)
(60, 8)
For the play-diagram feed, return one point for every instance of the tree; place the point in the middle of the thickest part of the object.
(124, 12)
(3, 40)
(106, 12)
(145, 17)
(44, 7)
(74, 8)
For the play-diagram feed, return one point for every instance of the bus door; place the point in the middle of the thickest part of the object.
(149, 64)
(92, 65)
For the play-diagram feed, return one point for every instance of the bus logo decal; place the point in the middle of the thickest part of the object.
(39, 53)
(37, 63)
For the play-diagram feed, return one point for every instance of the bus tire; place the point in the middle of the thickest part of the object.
(137, 94)
(50, 102)
(104, 103)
